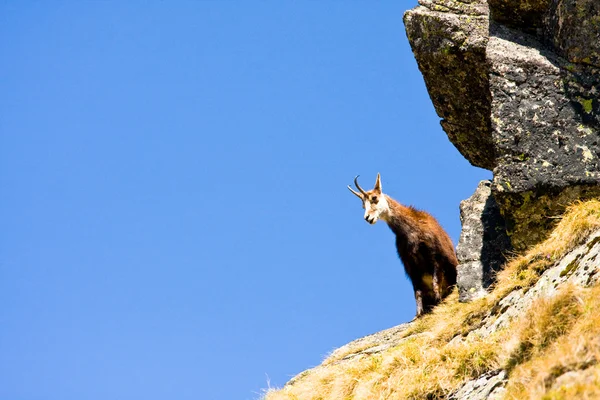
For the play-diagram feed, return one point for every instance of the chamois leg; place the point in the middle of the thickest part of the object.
(441, 286)
(450, 275)
(446, 279)
(437, 284)
(425, 301)
(419, 300)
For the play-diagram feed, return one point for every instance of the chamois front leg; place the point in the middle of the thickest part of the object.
(419, 300)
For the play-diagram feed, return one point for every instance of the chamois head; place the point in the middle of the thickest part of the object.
(374, 201)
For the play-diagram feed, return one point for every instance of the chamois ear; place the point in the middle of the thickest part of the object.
(377, 187)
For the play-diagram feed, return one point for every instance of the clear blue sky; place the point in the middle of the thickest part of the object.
(175, 218)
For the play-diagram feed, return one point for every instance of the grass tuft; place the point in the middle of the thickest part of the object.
(574, 349)
(546, 320)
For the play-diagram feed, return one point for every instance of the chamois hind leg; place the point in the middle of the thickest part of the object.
(425, 300)
(450, 274)
(438, 284)
(447, 274)
(441, 286)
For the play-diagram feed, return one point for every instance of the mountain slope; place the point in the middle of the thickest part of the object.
(536, 335)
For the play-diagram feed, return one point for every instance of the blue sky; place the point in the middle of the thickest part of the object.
(175, 216)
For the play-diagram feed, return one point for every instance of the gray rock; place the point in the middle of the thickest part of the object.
(525, 14)
(488, 386)
(580, 375)
(547, 154)
(522, 101)
(483, 243)
(573, 27)
(371, 344)
(450, 51)
(367, 345)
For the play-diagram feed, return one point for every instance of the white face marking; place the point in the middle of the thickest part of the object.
(375, 211)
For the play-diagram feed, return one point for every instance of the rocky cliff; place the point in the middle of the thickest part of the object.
(516, 84)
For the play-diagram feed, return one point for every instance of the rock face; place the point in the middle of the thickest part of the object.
(483, 243)
(517, 86)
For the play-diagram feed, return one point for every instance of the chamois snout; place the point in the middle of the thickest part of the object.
(374, 210)
(370, 219)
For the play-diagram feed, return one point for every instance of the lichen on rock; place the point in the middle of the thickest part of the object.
(573, 27)
(450, 50)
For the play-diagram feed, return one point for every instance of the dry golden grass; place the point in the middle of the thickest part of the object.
(547, 319)
(577, 223)
(423, 365)
(583, 386)
(436, 356)
(576, 348)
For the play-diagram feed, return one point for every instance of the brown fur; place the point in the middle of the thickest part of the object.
(427, 253)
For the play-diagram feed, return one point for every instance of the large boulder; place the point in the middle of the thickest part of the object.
(483, 244)
(450, 47)
(516, 84)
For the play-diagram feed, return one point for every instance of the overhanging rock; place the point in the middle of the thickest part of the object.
(520, 100)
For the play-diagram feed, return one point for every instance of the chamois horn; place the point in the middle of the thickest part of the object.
(355, 193)
(358, 186)
(359, 195)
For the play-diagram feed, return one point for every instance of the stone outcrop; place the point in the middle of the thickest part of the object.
(483, 243)
(517, 84)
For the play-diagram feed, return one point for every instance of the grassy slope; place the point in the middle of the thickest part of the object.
(554, 336)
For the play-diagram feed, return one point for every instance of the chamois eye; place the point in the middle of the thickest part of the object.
(374, 199)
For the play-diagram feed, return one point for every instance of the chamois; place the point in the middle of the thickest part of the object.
(424, 247)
